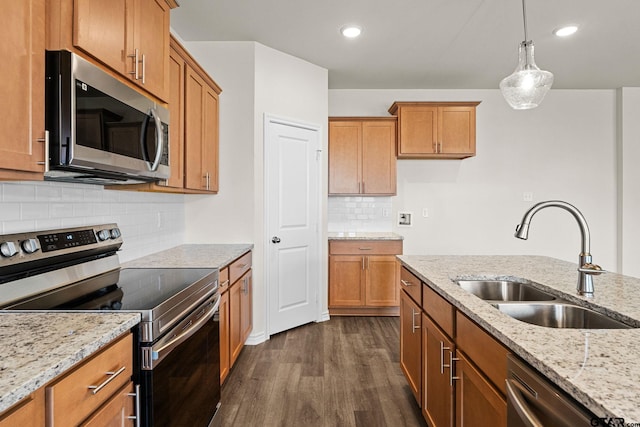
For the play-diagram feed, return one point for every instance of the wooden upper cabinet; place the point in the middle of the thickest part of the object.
(362, 158)
(432, 130)
(22, 82)
(130, 37)
(176, 110)
(201, 134)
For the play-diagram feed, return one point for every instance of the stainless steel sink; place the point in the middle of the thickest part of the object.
(504, 290)
(559, 315)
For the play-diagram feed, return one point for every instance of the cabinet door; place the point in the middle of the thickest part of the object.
(28, 412)
(379, 157)
(382, 278)
(176, 109)
(246, 308)
(437, 390)
(116, 411)
(223, 313)
(210, 140)
(478, 403)
(151, 38)
(457, 129)
(22, 82)
(346, 274)
(418, 133)
(100, 29)
(411, 344)
(201, 134)
(235, 321)
(345, 157)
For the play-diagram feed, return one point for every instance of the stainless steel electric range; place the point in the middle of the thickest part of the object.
(176, 350)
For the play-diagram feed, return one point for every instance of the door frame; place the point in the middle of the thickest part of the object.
(273, 119)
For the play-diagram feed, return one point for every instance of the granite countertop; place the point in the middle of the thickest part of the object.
(192, 256)
(35, 347)
(371, 235)
(597, 367)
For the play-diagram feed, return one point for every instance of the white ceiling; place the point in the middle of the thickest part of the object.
(431, 44)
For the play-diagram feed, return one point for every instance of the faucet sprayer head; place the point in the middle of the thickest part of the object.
(522, 231)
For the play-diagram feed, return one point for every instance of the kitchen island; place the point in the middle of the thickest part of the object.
(595, 367)
(36, 347)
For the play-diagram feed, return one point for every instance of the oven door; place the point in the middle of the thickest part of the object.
(180, 374)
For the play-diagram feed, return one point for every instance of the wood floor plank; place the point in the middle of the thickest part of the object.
(344, 372)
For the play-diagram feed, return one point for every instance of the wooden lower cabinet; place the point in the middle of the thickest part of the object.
(116, 411)
(411, 344)
(363, 277)
(236, 311)
(478, 403)
(28, 412)
(437, 383)
(455, 369)
(224, 336)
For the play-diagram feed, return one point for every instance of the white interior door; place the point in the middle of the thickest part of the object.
(292, 154)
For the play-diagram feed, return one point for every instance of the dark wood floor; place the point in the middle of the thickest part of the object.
(343, 372)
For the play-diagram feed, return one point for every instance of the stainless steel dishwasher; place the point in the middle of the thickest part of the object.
(532, 401)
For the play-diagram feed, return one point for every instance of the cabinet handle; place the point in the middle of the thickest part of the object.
(110, 377)
(135, 64)
(365, 249)
(45, 140)
(452, 361)
(207, 179)
(404, 282)
(144, 68)
(363, 263)
(136, 395)
(225, 283)
(413, 320)
(442, 364)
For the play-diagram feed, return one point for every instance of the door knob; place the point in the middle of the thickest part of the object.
(275, 239)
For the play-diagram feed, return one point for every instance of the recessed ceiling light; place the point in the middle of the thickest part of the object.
(351, 31)
(565, 31)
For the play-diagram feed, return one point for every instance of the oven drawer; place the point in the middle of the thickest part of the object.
(82, 391)
(239, 267)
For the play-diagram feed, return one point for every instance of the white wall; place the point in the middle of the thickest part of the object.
(565, 149)
(256, 80)
(150, 222)
(629, 181)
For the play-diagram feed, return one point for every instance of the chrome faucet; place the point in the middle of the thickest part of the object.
(586, 268)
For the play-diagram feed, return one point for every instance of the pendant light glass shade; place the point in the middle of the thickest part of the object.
(527, 86)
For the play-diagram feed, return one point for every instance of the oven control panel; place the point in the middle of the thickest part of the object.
(21, 248)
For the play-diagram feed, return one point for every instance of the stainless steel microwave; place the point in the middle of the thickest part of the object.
(99, 130)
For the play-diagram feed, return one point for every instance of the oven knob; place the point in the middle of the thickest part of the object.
(104, 235)
(116, 305)
(30, 245)
(115, 233)
(8, 249)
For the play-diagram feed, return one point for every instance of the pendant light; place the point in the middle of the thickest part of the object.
(527, 86)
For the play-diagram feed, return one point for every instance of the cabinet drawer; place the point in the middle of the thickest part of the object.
(487, 353)
(74, 397)
(411, 284)
(223, 279)
(28, 412)
(239, 267)
(365, 247)
(438, 309)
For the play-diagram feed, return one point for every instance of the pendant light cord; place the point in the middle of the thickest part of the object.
(524, 18)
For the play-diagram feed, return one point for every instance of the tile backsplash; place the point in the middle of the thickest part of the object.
(353, 214)
(150, 222)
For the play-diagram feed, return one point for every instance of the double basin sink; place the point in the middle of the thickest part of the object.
(526, 303)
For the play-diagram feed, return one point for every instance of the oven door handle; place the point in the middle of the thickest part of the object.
(168, 347)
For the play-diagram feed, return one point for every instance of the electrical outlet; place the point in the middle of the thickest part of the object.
(386, 212)
(404, 219)
(425, 212)
(527, 196)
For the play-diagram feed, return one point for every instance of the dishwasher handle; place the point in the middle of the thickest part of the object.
(515, 396)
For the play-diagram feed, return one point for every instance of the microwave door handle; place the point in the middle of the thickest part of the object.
(159, 139)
